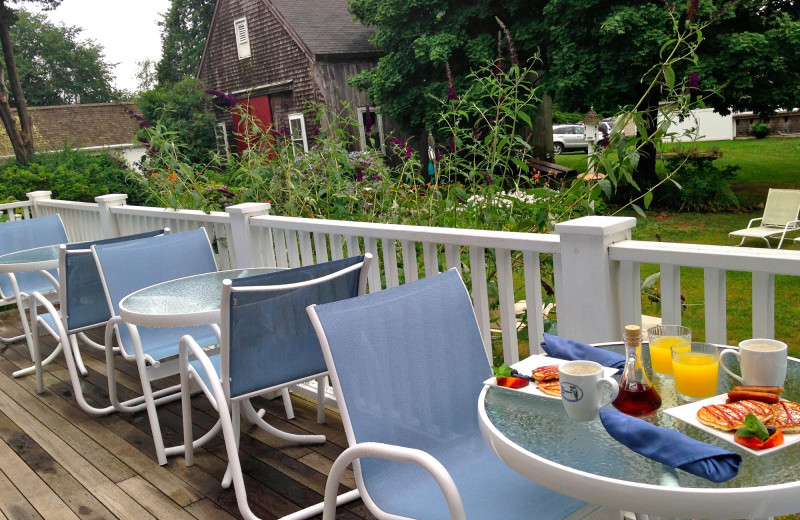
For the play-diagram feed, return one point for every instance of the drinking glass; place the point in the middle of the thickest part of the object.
(661, 339)
(695, 367)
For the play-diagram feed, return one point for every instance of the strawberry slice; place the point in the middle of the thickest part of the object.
(511, 382)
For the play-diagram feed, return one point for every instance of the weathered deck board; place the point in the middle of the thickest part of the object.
(58, 462)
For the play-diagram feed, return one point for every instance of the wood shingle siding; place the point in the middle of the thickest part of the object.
(302, 53)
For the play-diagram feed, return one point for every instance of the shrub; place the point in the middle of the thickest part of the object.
(70, 175)
(760, 130)
(702, 185)
(184, 108)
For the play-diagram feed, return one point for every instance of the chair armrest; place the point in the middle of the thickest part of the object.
(400, 454)
(753, 221)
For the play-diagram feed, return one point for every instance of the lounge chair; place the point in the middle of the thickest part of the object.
(781, 214)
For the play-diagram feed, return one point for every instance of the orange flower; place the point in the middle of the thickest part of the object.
(172, 178)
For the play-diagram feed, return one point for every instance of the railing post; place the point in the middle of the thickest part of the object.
(107, 220)
(587, 297)
(243, 251)
(35, 197)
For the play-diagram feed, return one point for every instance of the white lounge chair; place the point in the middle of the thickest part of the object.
(781, 214)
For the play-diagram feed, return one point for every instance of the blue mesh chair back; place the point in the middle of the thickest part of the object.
(28, 234)
(409, 363)
(85, 302)
(128, 266)
(271, 340)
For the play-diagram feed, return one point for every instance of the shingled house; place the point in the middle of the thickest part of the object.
(93, 126)
(277, 56)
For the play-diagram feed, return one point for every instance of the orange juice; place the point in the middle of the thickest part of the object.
(695, 374)
(661, 354)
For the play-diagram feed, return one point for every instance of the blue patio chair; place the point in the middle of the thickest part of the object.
(129, 266)
(267, 344)
(15, 288)
(83, 307)
(407, 366)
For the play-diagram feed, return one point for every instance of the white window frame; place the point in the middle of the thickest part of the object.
(303, 137)
(221, 130)
(242, 36)
(377, 121)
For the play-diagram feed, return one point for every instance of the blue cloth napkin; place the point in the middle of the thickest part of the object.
(563, 348)
(672, 448)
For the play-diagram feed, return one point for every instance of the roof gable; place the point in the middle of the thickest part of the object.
(78, 126)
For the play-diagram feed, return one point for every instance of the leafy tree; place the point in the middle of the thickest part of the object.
(185, 28)
(185, 110)
(21, 137)
(146, 75)
(593, 52)
(55, 67)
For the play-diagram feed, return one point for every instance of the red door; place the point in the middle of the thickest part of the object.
(260, 114)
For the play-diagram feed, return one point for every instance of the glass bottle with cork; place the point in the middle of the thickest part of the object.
(636, 394)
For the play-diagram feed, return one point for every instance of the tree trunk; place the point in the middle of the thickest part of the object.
(21, 138)
(542, 138)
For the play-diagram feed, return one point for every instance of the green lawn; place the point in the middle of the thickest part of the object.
(764, 163)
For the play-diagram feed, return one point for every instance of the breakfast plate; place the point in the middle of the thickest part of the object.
(688, 414)
(526, 367)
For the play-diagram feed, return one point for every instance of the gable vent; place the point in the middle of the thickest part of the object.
(242, 38)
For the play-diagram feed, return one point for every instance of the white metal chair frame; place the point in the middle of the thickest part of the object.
(67, 336)
(771, 229)
(149, 369)
(230, 409)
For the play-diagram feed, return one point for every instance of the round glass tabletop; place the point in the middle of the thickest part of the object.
(30, 259)
(194, 300)
(541, 426)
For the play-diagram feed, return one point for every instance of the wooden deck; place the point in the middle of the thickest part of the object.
(57, 462)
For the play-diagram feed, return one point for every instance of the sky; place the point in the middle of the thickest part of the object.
(127, 30)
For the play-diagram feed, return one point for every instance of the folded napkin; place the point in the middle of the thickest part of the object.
(672, 448)
(568, 349)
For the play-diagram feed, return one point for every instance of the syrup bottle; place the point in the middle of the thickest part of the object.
(636, 394)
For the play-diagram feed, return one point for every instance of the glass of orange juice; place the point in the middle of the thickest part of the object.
(695, 367)
(661, 338)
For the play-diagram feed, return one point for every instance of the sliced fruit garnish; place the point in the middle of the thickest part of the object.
(512, 382)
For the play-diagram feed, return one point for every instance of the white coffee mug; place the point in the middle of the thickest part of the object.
(585, 389)
(763, 362)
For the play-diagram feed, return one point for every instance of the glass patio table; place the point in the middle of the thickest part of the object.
(194, 300)
(37, 259)
(534, 436)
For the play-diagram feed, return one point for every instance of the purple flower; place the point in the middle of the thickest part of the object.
(144, 124)
(359, 175)
(408, 151)
(396, 141)
(377, 177)
(144, 140)
(315, 129)
(693, 84)
(367, 121)
(452, 143)
(223, 98)
(691, 13)
(452, 95)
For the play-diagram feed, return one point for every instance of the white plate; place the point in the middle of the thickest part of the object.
(526, 367)
(688, 413)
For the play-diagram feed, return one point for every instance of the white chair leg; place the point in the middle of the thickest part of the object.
(236, 425)
(321, 384)
(287, 403)
(32, 369)
(73, 340)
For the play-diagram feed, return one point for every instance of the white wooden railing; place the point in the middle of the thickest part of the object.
(596, 265)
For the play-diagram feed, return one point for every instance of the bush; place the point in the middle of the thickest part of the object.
(186, 109)
(70, 175)
(760, 130)
(702, 185)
